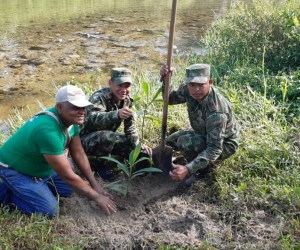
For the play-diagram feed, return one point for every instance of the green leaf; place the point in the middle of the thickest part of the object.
(134, 154)
(145, 87)
(119, 164)
(297, 191)
(137, 98)
(124, 168)
(110, 159)
(141, 159)
(148, 170)
(156, 95)
(117, 186)
(242, 187)
(156, 120)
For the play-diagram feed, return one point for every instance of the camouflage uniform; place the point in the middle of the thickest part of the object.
(213, 134)
(99, 136)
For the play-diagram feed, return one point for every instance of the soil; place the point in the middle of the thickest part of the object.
(159, 211)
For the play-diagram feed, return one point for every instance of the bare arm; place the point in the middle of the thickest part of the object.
(79, 157)
(62, 167)
(175, 96)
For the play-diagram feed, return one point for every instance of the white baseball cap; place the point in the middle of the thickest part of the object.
(73, 95)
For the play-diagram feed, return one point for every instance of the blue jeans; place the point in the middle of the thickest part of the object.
(30, 194)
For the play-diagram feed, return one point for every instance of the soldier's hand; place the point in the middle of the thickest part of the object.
(125, 113)
(147, 150)
(179, 172)
(164, 71)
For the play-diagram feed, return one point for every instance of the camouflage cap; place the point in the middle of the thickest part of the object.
(199, 73)
(121, 75)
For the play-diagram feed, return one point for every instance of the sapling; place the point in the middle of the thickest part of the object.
(129, 170)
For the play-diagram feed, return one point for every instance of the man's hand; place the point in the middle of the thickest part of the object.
(179, 172)
(105, 203)
(62, 167)
(100, 190)
(147, 150)
(164, 71)
(125, 112)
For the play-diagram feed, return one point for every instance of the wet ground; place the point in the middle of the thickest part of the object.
(37, 56)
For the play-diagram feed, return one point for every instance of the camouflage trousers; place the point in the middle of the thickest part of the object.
(105, 142)
(191, 144)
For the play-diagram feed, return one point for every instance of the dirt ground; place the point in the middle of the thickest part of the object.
(159, 211)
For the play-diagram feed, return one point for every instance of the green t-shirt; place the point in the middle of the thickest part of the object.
(39, 135)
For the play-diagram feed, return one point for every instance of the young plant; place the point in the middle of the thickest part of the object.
(128, 169)
(146, 100)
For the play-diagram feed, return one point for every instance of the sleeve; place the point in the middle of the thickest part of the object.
(130, 129)
(97, 116)
(215, 127)
(176, 96)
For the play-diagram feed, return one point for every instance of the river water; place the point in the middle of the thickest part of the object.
(45, 42)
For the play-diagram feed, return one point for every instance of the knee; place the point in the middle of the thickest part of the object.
(183, 143)
(109, 138)
(66, 192)
(52, 211)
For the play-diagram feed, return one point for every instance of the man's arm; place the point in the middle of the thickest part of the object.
(79, 157)
(99, 119)
(62, 167)
(216, 127)
(175, 96)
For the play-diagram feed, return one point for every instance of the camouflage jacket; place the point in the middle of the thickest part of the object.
(211, 117)
(103, 115)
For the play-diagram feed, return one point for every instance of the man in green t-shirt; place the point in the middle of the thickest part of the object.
(33, 164)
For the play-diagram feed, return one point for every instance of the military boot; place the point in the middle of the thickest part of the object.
(103, 170)
(199, 175)
(180, 160)
(193, 179)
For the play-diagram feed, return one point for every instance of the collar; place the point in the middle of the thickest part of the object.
(204, 101)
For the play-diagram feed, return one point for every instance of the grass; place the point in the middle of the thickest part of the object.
(19, 231)
(254, 52)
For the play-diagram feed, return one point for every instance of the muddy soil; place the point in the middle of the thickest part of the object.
(159, 211)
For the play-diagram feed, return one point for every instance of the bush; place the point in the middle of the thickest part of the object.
(240, 38)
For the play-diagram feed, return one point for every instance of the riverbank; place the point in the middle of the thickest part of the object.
(37, 55)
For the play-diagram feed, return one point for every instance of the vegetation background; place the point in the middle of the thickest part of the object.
(254, 50)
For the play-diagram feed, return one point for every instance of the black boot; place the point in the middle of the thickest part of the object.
(103, 171)
(199, 175)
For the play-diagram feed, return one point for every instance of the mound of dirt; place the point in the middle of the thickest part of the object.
(159, 211)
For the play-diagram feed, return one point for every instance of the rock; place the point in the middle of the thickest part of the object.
(65, 62)
(36, 61)
(12, 89)
(15, 65)
(74, 56)
(93, 25)
(38, 48)
(110, 20)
